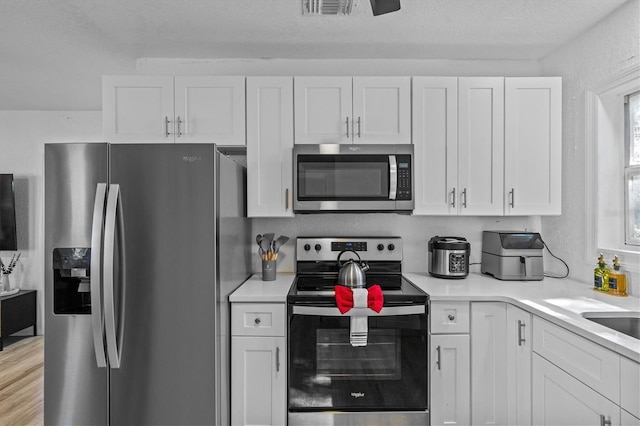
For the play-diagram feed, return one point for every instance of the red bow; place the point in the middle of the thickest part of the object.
(344, 298)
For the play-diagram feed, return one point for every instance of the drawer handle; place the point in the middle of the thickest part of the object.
(603, 421)
(451, 317)
(257, 321)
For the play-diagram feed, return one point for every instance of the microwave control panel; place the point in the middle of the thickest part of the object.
(404, 177)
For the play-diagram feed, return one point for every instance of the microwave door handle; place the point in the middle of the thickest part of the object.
(97, 320)
(393, 177)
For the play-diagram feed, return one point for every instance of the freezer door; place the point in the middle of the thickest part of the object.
(75, 389)
(166, 374)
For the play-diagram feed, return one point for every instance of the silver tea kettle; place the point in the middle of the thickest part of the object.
(351, 273)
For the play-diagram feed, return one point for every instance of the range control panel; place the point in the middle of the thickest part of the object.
(368, 248)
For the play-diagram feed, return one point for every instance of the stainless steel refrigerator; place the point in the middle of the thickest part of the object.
(144, 243)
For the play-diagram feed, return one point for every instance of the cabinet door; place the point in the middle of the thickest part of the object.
(561, 399)
(137, 109)
(435, 143)
(382, 110)
(518, 366)
(269, 146)
(450, 380)
(481, 145)
(210, 109)
(533, 145)
(488, 361)
(323, 110)
(258, 381)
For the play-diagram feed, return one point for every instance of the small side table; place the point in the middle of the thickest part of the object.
(17, 312)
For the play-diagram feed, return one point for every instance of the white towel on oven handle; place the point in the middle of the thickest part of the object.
(359, 318)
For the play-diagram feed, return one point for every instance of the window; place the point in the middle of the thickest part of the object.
(632, 168)
(612, 175)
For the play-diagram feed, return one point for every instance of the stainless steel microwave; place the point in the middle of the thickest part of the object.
(353, 178)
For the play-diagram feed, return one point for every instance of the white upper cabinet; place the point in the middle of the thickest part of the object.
(352, 110)
(435, 140)
(481, 145)
(269, 146)
(211, 109)
(533, 145)
(323, 110)
(458, 140)
(137, 109)
(193, 109)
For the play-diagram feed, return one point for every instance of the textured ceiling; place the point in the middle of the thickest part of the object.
(51, 49)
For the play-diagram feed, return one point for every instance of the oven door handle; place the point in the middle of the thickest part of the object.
(332, 311)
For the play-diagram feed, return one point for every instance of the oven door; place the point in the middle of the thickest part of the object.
(369, 179)
(327, 373)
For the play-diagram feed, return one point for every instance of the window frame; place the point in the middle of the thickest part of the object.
(625, 82)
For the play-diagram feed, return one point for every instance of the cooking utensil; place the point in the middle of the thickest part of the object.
(279, 242)
(265, 245)
(352, 273)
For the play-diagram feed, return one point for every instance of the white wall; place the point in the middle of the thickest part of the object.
(22, 138)
(602, 52)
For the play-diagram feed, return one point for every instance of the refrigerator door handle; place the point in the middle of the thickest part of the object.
(114, 211)
(97, 320)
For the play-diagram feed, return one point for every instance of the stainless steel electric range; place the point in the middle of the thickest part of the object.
(333, 382)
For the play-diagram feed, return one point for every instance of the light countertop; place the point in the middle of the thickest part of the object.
(254, 290)
(561, 302)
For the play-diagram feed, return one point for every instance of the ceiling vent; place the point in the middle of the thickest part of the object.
(329, 7)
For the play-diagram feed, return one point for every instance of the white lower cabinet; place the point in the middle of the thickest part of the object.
(519, 355)
(561, 399)
(258, 364)
(450, 379)
(258, 381)
(628, 419)
(488, 363)
(450, 368)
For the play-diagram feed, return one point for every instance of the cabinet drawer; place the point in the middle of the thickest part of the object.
(449, 317)
(257, 319)
(597, 367)
(629, 389)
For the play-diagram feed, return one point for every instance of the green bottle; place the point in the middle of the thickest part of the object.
(601, 275)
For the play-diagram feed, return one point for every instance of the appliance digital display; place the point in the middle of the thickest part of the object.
(403, 165)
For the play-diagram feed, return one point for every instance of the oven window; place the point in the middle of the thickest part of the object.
(326, 372)
(379, 360)
(329, 177)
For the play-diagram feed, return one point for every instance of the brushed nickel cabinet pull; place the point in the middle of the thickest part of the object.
(604, 421)
(464, 198)
(166, 127)
(179, 122)
(438, 361)
(453, 198)
(521, 339)
(278, 358)
(359, 135)
(347, 126)
(512, 197)
(286, 199)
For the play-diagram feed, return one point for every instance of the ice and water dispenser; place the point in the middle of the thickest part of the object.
(71, 281)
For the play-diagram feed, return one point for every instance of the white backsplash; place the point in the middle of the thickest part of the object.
(414, 230)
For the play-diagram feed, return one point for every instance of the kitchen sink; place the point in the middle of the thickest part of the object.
(622, 322)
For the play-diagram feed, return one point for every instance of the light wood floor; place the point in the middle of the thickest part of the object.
(21, 381)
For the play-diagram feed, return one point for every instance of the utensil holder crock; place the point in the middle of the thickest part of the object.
(268, 270)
